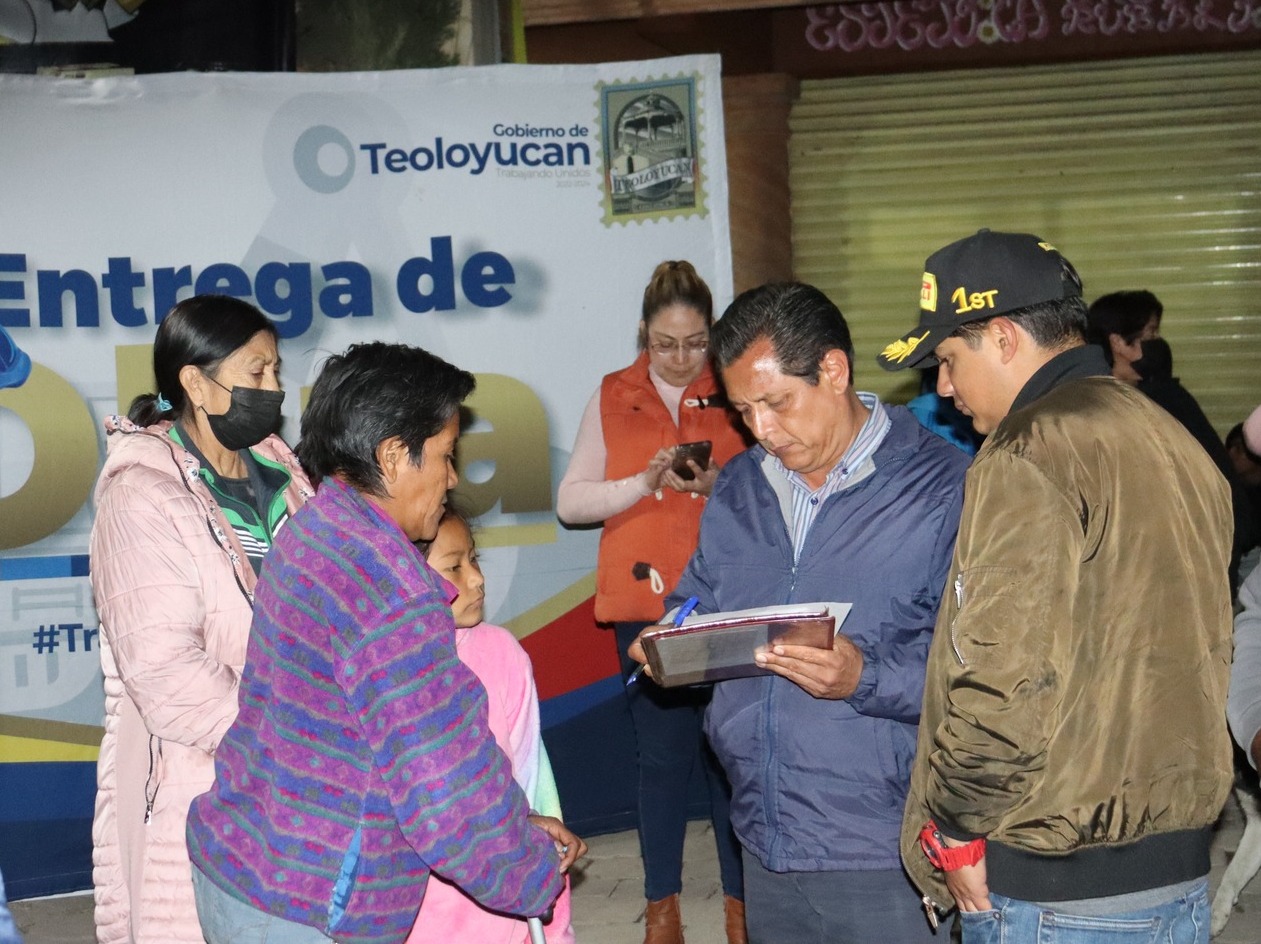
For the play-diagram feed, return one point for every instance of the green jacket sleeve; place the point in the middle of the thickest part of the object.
(1011, 641)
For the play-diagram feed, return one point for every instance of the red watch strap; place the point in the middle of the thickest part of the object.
(948, 858)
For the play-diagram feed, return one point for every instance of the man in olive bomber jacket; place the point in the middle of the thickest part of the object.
(1072, 753)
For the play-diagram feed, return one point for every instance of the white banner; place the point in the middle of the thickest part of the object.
(505, 218)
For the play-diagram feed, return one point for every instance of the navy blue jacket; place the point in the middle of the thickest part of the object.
(820, 784)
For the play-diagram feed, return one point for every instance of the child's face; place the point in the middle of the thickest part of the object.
(454, 555)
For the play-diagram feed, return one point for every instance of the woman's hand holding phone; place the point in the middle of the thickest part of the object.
(692, 469)
(689, 458)
(658, 468)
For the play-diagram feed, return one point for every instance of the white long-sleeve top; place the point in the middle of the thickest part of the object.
(585, 495)
(1243, 705)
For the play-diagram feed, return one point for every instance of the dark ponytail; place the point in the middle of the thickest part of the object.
(675, 282)
(200, 331)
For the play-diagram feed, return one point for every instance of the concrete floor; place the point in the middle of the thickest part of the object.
(608, 895)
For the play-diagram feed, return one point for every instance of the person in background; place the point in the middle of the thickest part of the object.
(1243, 449)
(1243, 707)
(502, 666)
(845, 500)
(939, 415)
(15, 363)
(361, 757)
(1119, 323)
(620, 474)
(1247, 466)
(194, 489)
(1154, 370)
(1089, 607)
(1156, 380)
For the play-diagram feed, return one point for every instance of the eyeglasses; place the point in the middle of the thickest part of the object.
(688, 348)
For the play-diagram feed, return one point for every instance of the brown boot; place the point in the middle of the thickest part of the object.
(734, 909)
(662, 922)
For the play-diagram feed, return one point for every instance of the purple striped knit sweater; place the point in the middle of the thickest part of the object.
(361, 757)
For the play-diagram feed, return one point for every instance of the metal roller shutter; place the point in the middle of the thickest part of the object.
(1146, 173)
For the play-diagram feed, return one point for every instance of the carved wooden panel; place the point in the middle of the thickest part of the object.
(755, 111)
(555, 12)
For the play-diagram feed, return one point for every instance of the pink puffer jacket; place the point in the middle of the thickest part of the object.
(173, 590)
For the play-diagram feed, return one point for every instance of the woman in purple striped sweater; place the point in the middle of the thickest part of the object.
(362, 757)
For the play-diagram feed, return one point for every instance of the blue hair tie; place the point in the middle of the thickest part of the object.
(164, 404)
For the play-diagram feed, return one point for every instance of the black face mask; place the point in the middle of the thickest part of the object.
(252, 416)
(1156, 362)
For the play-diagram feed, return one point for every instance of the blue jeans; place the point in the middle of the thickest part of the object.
(1154, 916)
(225, 920)
(672, 747)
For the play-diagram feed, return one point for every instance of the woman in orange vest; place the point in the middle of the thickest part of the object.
(620, 474)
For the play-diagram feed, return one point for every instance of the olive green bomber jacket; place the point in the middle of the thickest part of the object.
(1077, 678)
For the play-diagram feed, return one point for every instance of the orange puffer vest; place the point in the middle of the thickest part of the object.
(644, 549)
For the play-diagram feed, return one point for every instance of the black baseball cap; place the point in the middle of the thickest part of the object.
(975, 279)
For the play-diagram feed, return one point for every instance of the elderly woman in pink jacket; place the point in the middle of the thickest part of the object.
(195, 486)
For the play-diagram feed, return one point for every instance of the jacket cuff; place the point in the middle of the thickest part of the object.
(868, 679)
(951, 831)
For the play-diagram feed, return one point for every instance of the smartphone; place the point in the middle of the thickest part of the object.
(698, 452)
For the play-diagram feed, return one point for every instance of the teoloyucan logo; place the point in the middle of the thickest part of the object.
(325, 159)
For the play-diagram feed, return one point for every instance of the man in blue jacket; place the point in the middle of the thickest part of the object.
(843, 499)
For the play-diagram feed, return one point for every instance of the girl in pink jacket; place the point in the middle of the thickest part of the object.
(194, 486)
(502, 666)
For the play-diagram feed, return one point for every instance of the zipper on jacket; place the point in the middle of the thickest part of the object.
(954, 645)
(930, 909)
(769, 788)
(151, 795)
(210, 522)
(210, 526)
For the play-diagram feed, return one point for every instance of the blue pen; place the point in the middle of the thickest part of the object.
(685, 610)
(682, 614)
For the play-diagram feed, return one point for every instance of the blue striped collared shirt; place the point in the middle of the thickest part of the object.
(805, 502)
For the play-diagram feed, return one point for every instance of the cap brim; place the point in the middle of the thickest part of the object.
(916, 348)
(15, 374)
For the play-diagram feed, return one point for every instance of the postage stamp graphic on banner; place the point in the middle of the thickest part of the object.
(652, 159)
